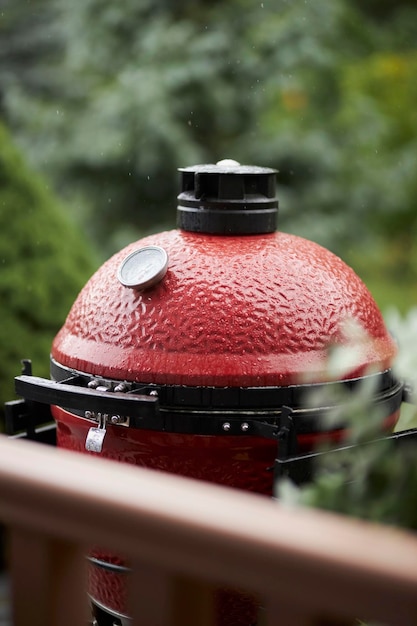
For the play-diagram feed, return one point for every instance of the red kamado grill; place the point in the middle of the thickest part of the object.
(193, 351)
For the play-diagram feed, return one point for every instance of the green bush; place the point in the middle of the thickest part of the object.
(43, 264)
(119, 96)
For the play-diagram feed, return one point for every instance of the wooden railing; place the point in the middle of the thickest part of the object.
(183, 537)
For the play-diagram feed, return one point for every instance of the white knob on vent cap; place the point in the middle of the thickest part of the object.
(228, 163)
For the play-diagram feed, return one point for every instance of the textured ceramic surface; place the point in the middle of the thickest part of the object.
(239, 462)
(249, 310)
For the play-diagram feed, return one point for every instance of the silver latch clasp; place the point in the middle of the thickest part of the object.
(96, 434)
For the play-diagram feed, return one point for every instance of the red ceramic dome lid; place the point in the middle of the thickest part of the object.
(253, 310)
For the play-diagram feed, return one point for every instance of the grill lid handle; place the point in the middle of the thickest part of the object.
(71, 396)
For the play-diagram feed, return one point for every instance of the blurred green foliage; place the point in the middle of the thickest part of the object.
(372, 481)
(108, 99)
(43, 264)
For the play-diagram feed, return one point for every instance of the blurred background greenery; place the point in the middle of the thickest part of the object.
(105, 100)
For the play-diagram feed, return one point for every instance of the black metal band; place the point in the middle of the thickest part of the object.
(247, 411)
(206, 398)
(225, 411)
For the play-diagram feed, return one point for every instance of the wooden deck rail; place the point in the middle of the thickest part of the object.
(183, 536)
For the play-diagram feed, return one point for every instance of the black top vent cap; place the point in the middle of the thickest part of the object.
(228, 199)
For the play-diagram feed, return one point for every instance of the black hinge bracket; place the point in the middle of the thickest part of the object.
(27, 419)
(69, 395)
